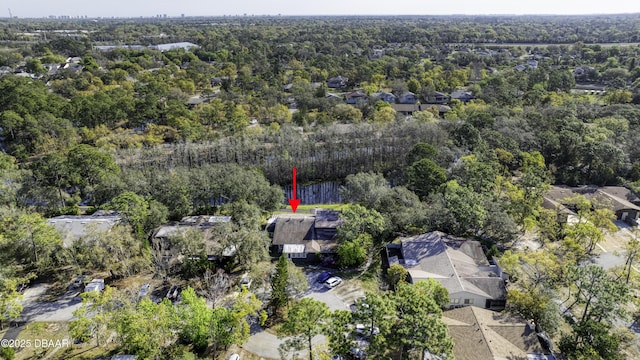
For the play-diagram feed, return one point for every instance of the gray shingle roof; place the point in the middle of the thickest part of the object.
(458, 264)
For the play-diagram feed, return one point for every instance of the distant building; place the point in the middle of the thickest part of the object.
(624, 202)
(161, 239)
(462, 95)
(73, 227)
(337, 82)
(357, 96)
(384, 96)
(408, 98)
(172, 46)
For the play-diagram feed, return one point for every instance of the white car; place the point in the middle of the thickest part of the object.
(365, 330)
(332, 282)
(234, 357)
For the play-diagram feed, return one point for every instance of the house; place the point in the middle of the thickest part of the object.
(621, 200)
(520, 67)
(480, 334)
(193, 101)
(532, 64)
(305, 236)
(357, 96)
(332, 96)
(462, 95)
(384, 96)
(337, 82)
(458, 264)
(408, 98)
(73, 227)
(161, 239)
(437, 97)
(409, 109)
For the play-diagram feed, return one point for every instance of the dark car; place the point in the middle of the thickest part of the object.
(324, 276)
(173, 293)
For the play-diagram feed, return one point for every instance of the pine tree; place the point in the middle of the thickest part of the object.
(279, 297)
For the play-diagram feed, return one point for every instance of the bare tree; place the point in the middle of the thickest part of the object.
(217, 283)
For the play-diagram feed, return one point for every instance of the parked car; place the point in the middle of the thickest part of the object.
(173, 293)
(78, 282)
(332, 282)
(234, 357)
(245, 282)
(358, 354)
(22, 287)
(324, 276)
(365, 330)
(144, 290)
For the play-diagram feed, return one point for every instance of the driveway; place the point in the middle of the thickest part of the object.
(264, 344)
(57, 311)
(338, 298)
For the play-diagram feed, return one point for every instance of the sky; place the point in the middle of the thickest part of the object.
(136, 8)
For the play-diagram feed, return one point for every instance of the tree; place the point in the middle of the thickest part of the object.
(591, 340)
(31, 241)
(279, 295)
(217, 285)
(359, 220)
(396, 274)
(250, 245)
(600, 295)
(421, 151)
(419, 326)
(10, 300)
(354, 252)
(376, 312)
(93, 318)
(306, 318)
(424, 176)
(147, 329)
(195, 318)
(535, 305)
(365, 189)
(143, 215)
(297, 282)
(89, 168)
(384, 115)
(632, 255)
(339, 332)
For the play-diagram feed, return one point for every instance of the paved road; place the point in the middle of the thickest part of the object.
(265, 345)
(59, 310)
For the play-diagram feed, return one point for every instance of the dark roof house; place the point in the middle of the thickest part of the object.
(357, 96)
(408, 98)
(384, 96)
(462, 95)
(202, 223)
(621, 200)
(305, 235)
(337, 82)
(480, 334)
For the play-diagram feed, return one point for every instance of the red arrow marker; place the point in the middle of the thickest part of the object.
(294, 202)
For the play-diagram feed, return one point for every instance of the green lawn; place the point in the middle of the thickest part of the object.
(308, 208)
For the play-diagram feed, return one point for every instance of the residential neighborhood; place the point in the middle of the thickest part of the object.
(340, 184)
